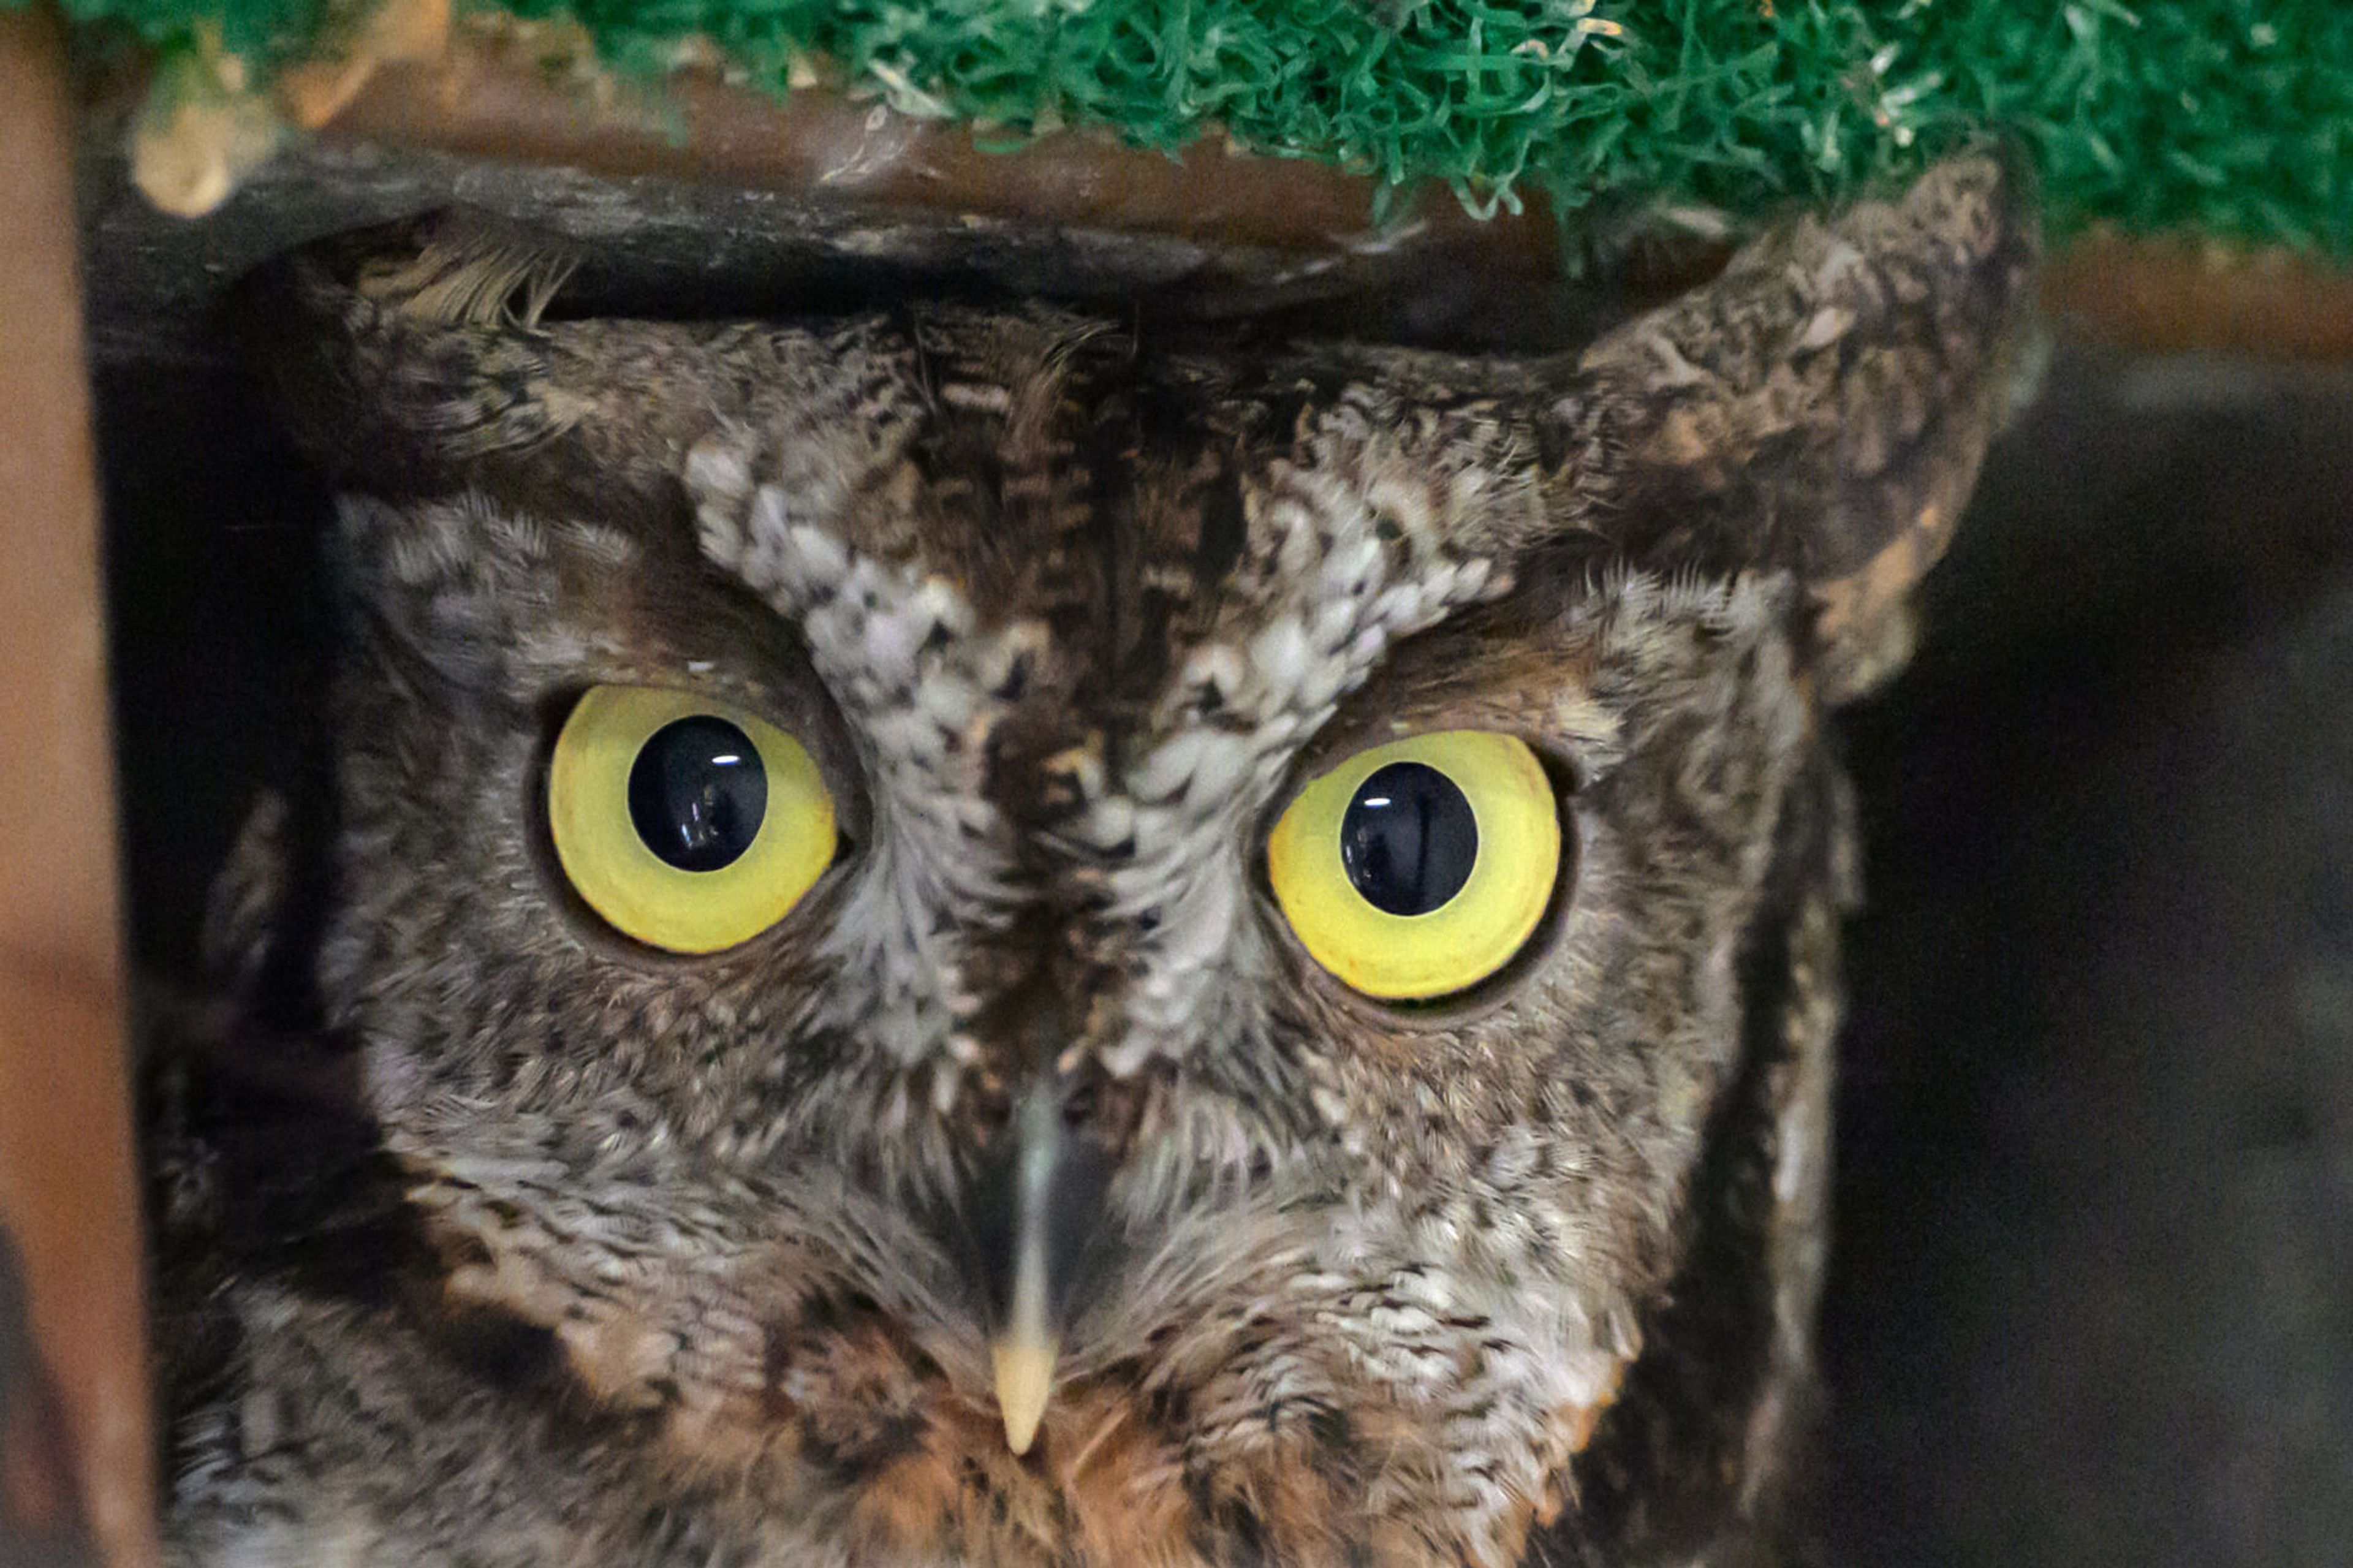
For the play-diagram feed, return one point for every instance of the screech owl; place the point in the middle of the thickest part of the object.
(956, 936)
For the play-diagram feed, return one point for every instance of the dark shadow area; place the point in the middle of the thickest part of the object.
(2092, 1299)
(217, 592)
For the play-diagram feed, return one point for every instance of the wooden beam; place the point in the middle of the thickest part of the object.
(488, 96)
(2174, 296)
(75, 1448)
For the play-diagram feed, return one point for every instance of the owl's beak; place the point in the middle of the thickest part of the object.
(1041, 1218)
(1025, 1381)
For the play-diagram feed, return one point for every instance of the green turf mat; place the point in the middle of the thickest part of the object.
(2229, 118)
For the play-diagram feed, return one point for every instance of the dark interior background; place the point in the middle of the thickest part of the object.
(2092, 1299)
(2093, 1289)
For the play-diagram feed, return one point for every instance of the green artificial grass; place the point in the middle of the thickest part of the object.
(2228, 117)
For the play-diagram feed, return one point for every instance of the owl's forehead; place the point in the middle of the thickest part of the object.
(1148, 541)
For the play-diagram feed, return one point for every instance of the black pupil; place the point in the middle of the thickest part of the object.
(697, 792)
(1409, 841)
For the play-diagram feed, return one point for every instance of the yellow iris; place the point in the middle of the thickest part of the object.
(761, 859)
(1477, 921)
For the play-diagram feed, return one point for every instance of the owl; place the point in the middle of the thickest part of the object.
(978, 938)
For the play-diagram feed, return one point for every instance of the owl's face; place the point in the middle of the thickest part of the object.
(1032, 947)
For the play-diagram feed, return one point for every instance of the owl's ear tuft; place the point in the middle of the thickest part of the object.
(403, 355)
(1823, 406)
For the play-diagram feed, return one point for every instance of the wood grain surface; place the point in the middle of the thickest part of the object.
(76, 1398)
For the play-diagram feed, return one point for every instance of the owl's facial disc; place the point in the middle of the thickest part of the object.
(1152, 1070)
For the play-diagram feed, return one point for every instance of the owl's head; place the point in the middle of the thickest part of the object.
(1025, 944)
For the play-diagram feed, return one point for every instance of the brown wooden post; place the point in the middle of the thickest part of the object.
(74, 1425)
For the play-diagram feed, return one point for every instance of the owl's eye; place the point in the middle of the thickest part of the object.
(1414, 869)
(686, 823)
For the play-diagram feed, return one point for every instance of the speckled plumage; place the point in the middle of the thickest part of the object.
(606, 1257)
